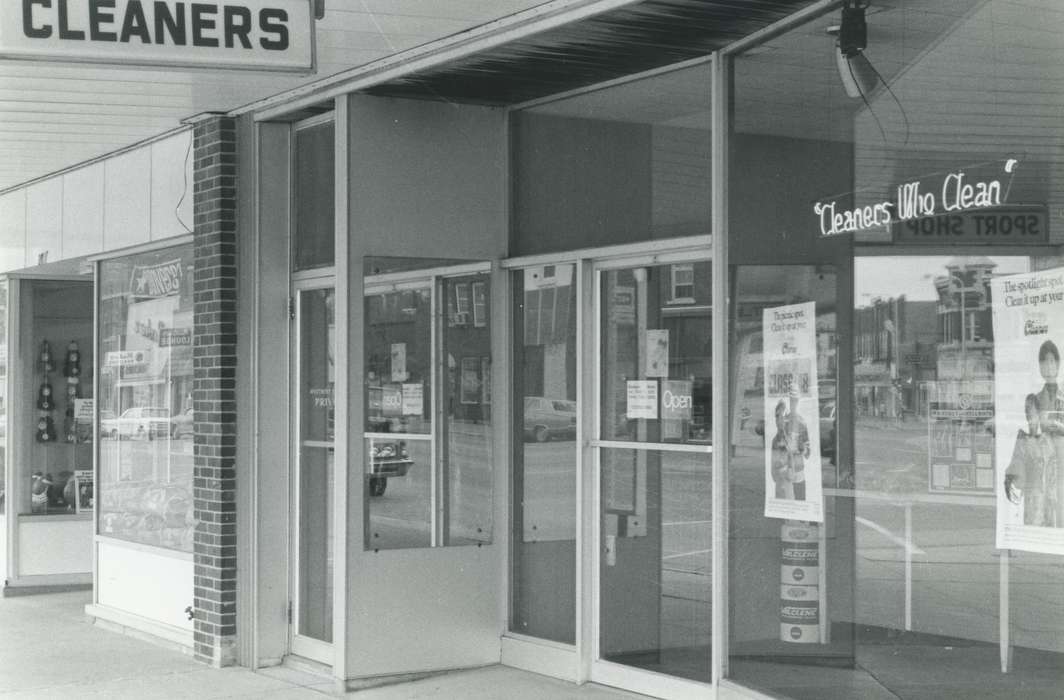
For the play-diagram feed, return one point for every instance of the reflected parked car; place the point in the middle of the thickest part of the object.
(139, 422)
(549, 419)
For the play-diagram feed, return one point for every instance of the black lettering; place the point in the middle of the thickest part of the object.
(66, 32)
(135, 24)
(235, 29)
(1032, 226)
(272, 21)
(979, 225)
(991, 226)
(956, 225)
(1006, 226)
(97, 17)
(32, 32)
(201, 22)
(166, 23)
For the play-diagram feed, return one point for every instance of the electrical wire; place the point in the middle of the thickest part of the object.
(904, 116)
(849, 67)
(184, 188)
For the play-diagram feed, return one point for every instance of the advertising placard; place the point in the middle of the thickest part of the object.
(413, 399)
(657, 353)
(1028, 317)
(960, 442)
(793, 488)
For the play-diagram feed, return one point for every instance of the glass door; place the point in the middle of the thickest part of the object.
(653, 460)
(312, 477)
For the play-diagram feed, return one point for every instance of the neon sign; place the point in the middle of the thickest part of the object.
(958, 193)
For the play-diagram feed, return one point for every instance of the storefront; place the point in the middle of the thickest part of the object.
(97, 360)
(650, 344)
(600, 412)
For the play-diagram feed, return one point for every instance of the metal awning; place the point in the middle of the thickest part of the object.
(629, 39)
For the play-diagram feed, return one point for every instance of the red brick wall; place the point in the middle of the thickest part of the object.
(214, 392)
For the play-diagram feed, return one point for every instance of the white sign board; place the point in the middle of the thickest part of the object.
(642, 399)
(272, 35)
(413, 399)
(1028, 317)
(793, 488)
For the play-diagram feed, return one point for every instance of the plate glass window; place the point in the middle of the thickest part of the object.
(145, 399)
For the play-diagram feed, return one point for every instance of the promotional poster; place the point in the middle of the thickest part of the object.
(793, 487)
(1028, 313)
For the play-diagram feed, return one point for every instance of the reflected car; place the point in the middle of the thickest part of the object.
(549, 419)
(182, 425)
(390, 458)
(139, 422)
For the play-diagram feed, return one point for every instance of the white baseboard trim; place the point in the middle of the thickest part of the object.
(545, 658)
(141, 628)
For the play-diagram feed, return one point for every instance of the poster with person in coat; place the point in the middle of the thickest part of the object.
(793, 487)
(1028, 318)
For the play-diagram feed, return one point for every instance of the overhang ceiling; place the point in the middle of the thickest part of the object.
(55, 115)
(620, 42)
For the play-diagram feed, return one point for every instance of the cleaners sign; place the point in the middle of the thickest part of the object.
(275, 35)
(950, 203)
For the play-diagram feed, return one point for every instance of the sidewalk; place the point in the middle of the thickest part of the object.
(50, 649)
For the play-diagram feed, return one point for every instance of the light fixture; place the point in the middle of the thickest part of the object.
(857, 74)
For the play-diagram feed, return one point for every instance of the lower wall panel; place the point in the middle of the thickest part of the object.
(54, 546)
(156, 585)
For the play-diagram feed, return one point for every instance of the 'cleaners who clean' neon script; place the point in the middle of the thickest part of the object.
(957, 193)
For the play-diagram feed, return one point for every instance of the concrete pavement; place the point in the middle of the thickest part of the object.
(50, 649)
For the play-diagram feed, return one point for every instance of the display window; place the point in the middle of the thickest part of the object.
(55, 416)
(146, 417)
(895, 337)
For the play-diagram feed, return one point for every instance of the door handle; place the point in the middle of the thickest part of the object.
(611, 550)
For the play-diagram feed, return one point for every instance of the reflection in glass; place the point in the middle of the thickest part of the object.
(145, 398)
(656, 354)
(924, 441)
(400, 513)
(656, 561)
(317, 347)
(467, 401)
(398, 349)
(543, 577)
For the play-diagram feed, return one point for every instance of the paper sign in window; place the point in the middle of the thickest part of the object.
(642, 399)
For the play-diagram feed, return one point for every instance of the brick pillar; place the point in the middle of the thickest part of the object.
(214, 391)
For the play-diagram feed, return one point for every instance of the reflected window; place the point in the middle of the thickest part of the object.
(429, 481)
(145, 398)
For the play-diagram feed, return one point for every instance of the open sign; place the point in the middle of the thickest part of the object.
(676, 399)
